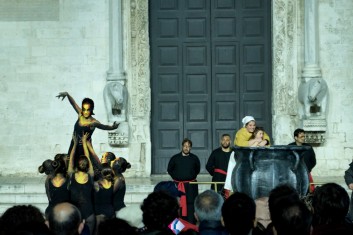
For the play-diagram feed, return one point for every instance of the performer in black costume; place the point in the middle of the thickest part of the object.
(81, 183)
(56, 182)
(184, 168)
(86, 124)
(119, 166)
(217, 164)
(103, 196)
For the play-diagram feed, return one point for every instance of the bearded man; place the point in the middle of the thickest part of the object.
(217, 163)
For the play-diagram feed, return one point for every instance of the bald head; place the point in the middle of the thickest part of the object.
(65, 218)
(208, 206)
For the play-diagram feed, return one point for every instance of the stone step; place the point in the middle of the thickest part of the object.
(24, 191)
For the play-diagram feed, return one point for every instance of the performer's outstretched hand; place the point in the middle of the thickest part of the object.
(62, 95)
(115, 125)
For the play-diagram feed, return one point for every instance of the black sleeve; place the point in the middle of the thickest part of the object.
(348, 174)
(198, 166)
(210, 165)
(171, 167)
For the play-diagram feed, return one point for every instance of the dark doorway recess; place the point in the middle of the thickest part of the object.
(210, 66)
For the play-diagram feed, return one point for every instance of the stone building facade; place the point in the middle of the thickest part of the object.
(49, 46)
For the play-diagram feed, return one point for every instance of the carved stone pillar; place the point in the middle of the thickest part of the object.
(313, 89)
(115, 91)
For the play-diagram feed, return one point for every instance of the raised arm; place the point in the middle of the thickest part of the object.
(253, 143)
(49, 177)
(105, 127)
(70, 168)
(267, 138)
(86, 152)
(71, 100)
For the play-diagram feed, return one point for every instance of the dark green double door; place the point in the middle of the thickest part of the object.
(210, 66)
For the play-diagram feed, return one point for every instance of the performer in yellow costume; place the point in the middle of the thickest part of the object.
(244, 134)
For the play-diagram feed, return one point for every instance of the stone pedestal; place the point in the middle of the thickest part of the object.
(120, 136)
(315, 130)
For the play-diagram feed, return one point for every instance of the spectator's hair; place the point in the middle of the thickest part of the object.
(168, 187)
(186, 140)
(238, 213)
(64, 219)
(15, 216)
(256, 130)
(159, 209)
(279, 196)
(90, 102)
(295, 218)
(119, 226)
(330, 203)
(33, 228)
(120, 165)
(208, 206)
(298, 131)
(82, 163)
(224, 135)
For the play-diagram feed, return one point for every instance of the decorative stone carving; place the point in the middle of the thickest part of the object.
(115, 92)
(115, 98)
(119, 136)
(283, 53)
(312, 94)
(315, 131)
(140, 106)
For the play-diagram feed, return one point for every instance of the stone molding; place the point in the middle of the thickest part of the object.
(140, 58)
(284, 22)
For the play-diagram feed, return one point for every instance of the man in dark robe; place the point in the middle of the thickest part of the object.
(184, 168)
(217, 163)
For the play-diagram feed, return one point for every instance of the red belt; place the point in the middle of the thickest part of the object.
(312, 186)
(220, 171)
(183, 204)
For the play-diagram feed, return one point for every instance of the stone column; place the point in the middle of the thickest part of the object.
(314, 100)
(115, 92)
(116, 67)
(311, 42)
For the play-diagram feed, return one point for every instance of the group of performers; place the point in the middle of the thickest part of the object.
(95, 186)
(185, 166)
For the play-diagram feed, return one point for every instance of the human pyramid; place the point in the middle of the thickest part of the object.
(95, 186)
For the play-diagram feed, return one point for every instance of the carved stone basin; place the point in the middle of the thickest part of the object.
(260, 169)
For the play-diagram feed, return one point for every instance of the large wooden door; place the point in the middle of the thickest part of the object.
(210, 66)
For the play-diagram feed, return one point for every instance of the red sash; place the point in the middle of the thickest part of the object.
(220, 171)
(183, 204)
(311, 186)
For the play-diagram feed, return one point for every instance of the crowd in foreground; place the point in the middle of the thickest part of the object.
(325, 212)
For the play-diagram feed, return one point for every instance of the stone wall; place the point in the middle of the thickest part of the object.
(68, 50)
(38, 59)
(335, 57)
